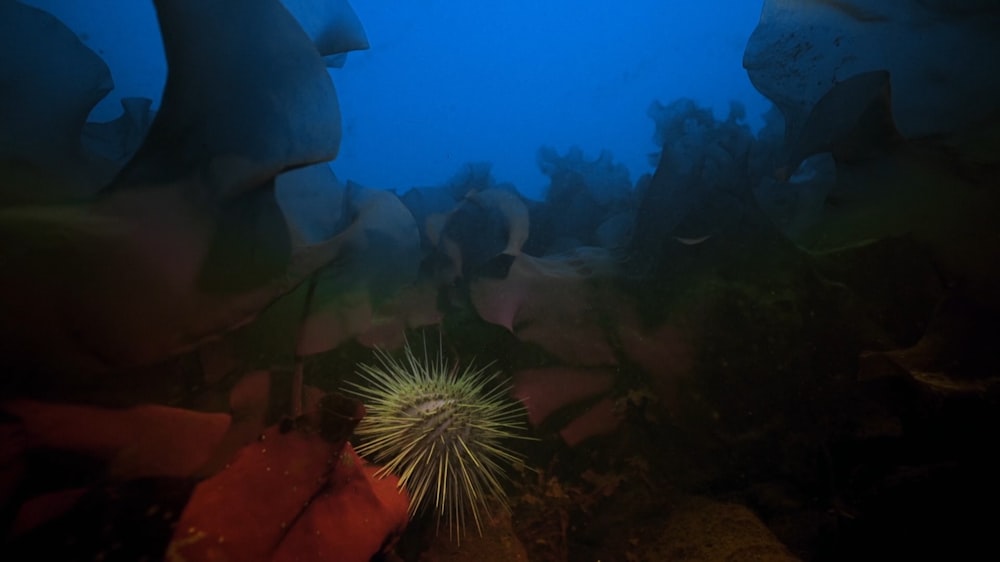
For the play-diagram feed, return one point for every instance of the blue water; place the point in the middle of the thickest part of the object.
(450, 82)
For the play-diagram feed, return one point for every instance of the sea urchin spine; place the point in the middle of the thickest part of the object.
(441, 431)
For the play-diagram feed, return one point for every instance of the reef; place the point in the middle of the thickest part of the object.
(776, 346)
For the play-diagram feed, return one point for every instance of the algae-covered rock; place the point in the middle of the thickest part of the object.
(704, 530)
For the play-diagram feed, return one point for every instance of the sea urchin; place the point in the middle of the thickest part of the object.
(441, 431)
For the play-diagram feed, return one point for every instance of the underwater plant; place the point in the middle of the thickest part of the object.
(441, 430)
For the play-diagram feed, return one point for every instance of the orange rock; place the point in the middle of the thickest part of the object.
(290, 496)
(137, 442)
(356, 518)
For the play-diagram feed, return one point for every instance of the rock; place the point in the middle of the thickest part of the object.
(704, 530)
(118, 139)
(189, 233)
(145, 441)
(540, 297)
(247, 97)
(954, 356)
(853, 121)
(498, 543)
(935, 53)
(50, 81)
(292, 495)
(797, 204)
(333, 26)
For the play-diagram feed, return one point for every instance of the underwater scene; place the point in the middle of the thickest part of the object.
(538, 281)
